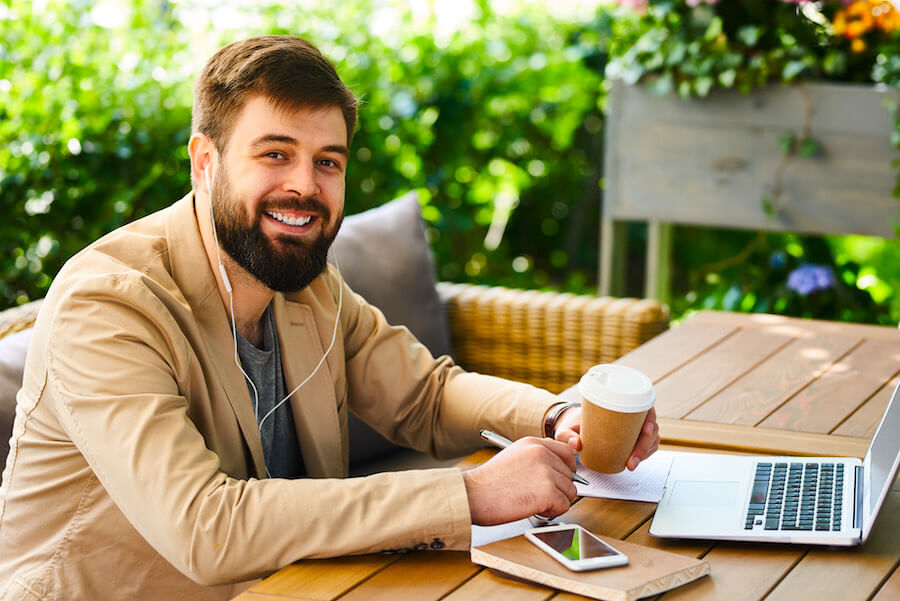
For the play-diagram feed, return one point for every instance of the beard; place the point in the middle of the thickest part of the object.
(286, 264)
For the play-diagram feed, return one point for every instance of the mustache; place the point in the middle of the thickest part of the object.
(312, 205)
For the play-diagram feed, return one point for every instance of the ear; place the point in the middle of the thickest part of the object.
(202, 151)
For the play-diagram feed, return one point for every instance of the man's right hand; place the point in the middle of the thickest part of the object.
(532, 476)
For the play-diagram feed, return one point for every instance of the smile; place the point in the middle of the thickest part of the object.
(295, 221)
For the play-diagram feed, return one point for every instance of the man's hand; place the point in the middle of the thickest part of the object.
(532, 476)
(568, 430)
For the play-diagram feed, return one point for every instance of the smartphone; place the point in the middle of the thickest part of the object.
(575, 547)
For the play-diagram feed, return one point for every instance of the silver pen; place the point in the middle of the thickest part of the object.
(502, 442)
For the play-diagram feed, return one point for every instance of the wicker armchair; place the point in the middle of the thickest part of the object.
(544, 338)
(547, 339)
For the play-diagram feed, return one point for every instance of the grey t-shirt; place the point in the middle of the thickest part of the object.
(279, 436)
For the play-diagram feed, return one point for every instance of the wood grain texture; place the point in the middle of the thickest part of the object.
(890, 590)
(488, 585)
(740, 573)
(769, 385)
(709, 161)
(849, 575)
(251, 596)
(709, 373)
(649, 571)
(422, 576)
(710, 435)
(840, 391)
(672, 349)
(641, 536)
(864, 421)
(322, 579)
(794, 327)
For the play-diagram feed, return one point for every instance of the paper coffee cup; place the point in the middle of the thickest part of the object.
(616, 402)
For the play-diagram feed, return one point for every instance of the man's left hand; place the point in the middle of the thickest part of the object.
(568, 430)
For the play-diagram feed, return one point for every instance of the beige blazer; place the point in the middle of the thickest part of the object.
(136, 469)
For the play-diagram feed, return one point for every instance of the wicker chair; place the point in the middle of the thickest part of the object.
(544, 338)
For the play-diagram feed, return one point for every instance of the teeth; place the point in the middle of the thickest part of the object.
(289, 220)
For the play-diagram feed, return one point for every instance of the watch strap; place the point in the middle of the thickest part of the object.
(552, 417)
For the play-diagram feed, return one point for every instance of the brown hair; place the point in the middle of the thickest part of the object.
(288, 70)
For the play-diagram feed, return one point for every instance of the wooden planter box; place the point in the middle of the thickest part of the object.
(710, 161)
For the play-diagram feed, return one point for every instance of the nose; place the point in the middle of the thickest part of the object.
(301, 179)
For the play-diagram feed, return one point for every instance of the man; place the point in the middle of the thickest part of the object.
(183, 418)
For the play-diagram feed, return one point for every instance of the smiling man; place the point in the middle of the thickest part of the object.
(182, 424)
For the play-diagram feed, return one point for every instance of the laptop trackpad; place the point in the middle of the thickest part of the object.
(704, 494)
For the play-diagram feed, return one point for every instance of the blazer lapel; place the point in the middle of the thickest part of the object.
(314, 406)
(192, 271)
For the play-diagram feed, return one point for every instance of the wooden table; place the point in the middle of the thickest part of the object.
(727, 382)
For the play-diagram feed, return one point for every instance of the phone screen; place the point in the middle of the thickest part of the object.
(575, 544)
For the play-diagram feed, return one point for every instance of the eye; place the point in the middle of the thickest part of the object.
(330, 163)
(274, 154)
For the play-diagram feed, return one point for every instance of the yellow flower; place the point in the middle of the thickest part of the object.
(858, 45)
(855, 20)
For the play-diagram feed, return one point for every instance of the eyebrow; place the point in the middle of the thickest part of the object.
(270, 138)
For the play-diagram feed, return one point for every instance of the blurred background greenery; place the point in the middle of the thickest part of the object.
(493, 110)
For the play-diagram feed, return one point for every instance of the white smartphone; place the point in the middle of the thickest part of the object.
(575, 547)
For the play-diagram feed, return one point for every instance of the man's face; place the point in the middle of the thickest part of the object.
(278, 192)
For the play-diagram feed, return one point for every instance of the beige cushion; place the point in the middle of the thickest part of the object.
(384, 256)
(13, 349)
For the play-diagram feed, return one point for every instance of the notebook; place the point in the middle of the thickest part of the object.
(804, 500)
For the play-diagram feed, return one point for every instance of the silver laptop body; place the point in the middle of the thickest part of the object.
(808, 500)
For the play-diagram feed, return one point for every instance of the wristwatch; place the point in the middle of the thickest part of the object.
(553, 416)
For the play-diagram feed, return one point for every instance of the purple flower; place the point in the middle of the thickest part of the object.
(809, 278)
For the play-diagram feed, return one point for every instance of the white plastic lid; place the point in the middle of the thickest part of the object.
(617, 388)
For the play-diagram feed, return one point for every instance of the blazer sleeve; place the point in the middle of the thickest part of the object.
(429, 404)
(116, 362)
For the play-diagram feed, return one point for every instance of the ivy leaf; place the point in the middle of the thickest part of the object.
(809, 148)
(792, 69)
(714, 29)
(726, 78)
(749, 35)
(768, 206)
(786, 142)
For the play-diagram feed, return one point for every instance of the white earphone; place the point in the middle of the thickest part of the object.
(227, 284)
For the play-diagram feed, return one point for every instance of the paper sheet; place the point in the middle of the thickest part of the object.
(643, 484)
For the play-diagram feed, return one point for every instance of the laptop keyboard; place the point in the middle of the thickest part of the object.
(797, 496)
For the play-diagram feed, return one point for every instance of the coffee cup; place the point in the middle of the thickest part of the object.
(616, 400)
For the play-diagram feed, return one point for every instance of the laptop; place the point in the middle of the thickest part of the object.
(808, 500)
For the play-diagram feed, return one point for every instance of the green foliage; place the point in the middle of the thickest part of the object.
(744, 44)
(497, 125)
(752, 274)
(93, 127)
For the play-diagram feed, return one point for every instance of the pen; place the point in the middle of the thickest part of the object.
(503, 442)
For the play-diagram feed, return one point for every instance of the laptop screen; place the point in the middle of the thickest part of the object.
(880, 465)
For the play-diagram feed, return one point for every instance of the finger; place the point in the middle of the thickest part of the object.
(560, 449)
(569, 437)
(556, 505)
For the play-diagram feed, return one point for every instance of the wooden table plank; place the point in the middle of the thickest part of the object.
(864, 421)
(714, 370)
(849, 383)
(766, 441)
(322, 579)
(794, 326)
(890, 590)
(740, 573)
(673, 348)
(849, 575)
(766, 387)
(422, 576)
(641, 536)
(487, 585)
(251, 596)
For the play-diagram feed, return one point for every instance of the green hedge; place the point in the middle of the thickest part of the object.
(95, 120)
